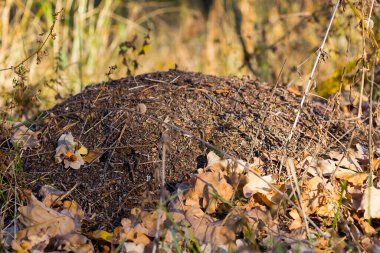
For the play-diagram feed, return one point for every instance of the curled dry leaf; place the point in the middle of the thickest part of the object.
(41, 221)
(50, 195)
(131, 247)
(206, 230)
(366, 227)
(255, 184)
(74, 243)
(351, 176)
(297, 222)
(25, 138)
(210, 189)
(31, 243)
(214, 163)
(130, 234)
(93, 156)
(319, 197)
(70, 208)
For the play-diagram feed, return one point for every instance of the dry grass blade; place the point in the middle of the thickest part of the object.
(292, 174)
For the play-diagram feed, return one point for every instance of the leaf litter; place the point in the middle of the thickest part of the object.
(214, 203)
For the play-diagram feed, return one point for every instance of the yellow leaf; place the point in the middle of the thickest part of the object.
(82, 150)
(101, 235)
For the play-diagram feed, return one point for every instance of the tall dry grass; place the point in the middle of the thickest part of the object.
(90, 32)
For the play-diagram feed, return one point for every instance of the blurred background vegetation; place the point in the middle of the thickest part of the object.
(90, 41)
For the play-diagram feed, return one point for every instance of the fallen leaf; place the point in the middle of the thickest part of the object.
(210, 189)
(319, 197)
(37, 217)
(366, 227)
(206, 230)
(93, 156)
(370, 203)
(297, 222)
(32, 243)
(50, 195)
(74, 243)
(255, 184)
(82, 150)
(351, 176)
(131, 247)
(128, 233)
(101, 235)
(25, 138)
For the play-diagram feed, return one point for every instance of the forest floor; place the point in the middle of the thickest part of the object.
(233, 178)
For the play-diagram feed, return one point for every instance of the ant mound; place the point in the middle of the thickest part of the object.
(122, 122)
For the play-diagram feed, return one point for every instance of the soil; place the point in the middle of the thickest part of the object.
(241, 116)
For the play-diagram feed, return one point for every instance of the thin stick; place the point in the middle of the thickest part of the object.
(305, 94)
(370, 142)
(292, 174)
(164, 142)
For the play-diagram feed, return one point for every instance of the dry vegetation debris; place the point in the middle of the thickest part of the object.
(323, 197)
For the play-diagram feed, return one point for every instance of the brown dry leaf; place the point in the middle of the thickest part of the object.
(349, 161)
(255, 184)
(209, 188)
(366, 227)
(206, 230)
(370, 203)
(131, 247)
(294, 90)
(128, 233)
(215, 163)
(72, 209)
(93, 156)
(273, 197)
(37, 217)
(351, 176)
(143, 221)
(50, 195)
(376, 164)
(319, 198)
(355, 195)
(341, 166)
(297, 223)
(25, 138)
(32, 243)
(74, 243)
(68, 208)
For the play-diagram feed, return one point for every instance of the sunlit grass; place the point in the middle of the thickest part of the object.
(88, 38)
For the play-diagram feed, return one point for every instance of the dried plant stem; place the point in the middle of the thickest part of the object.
(292, 172)
(164, 143)
(370, 130)
(365, 30)
(305, 93)
(364, 70)
(307, 88)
